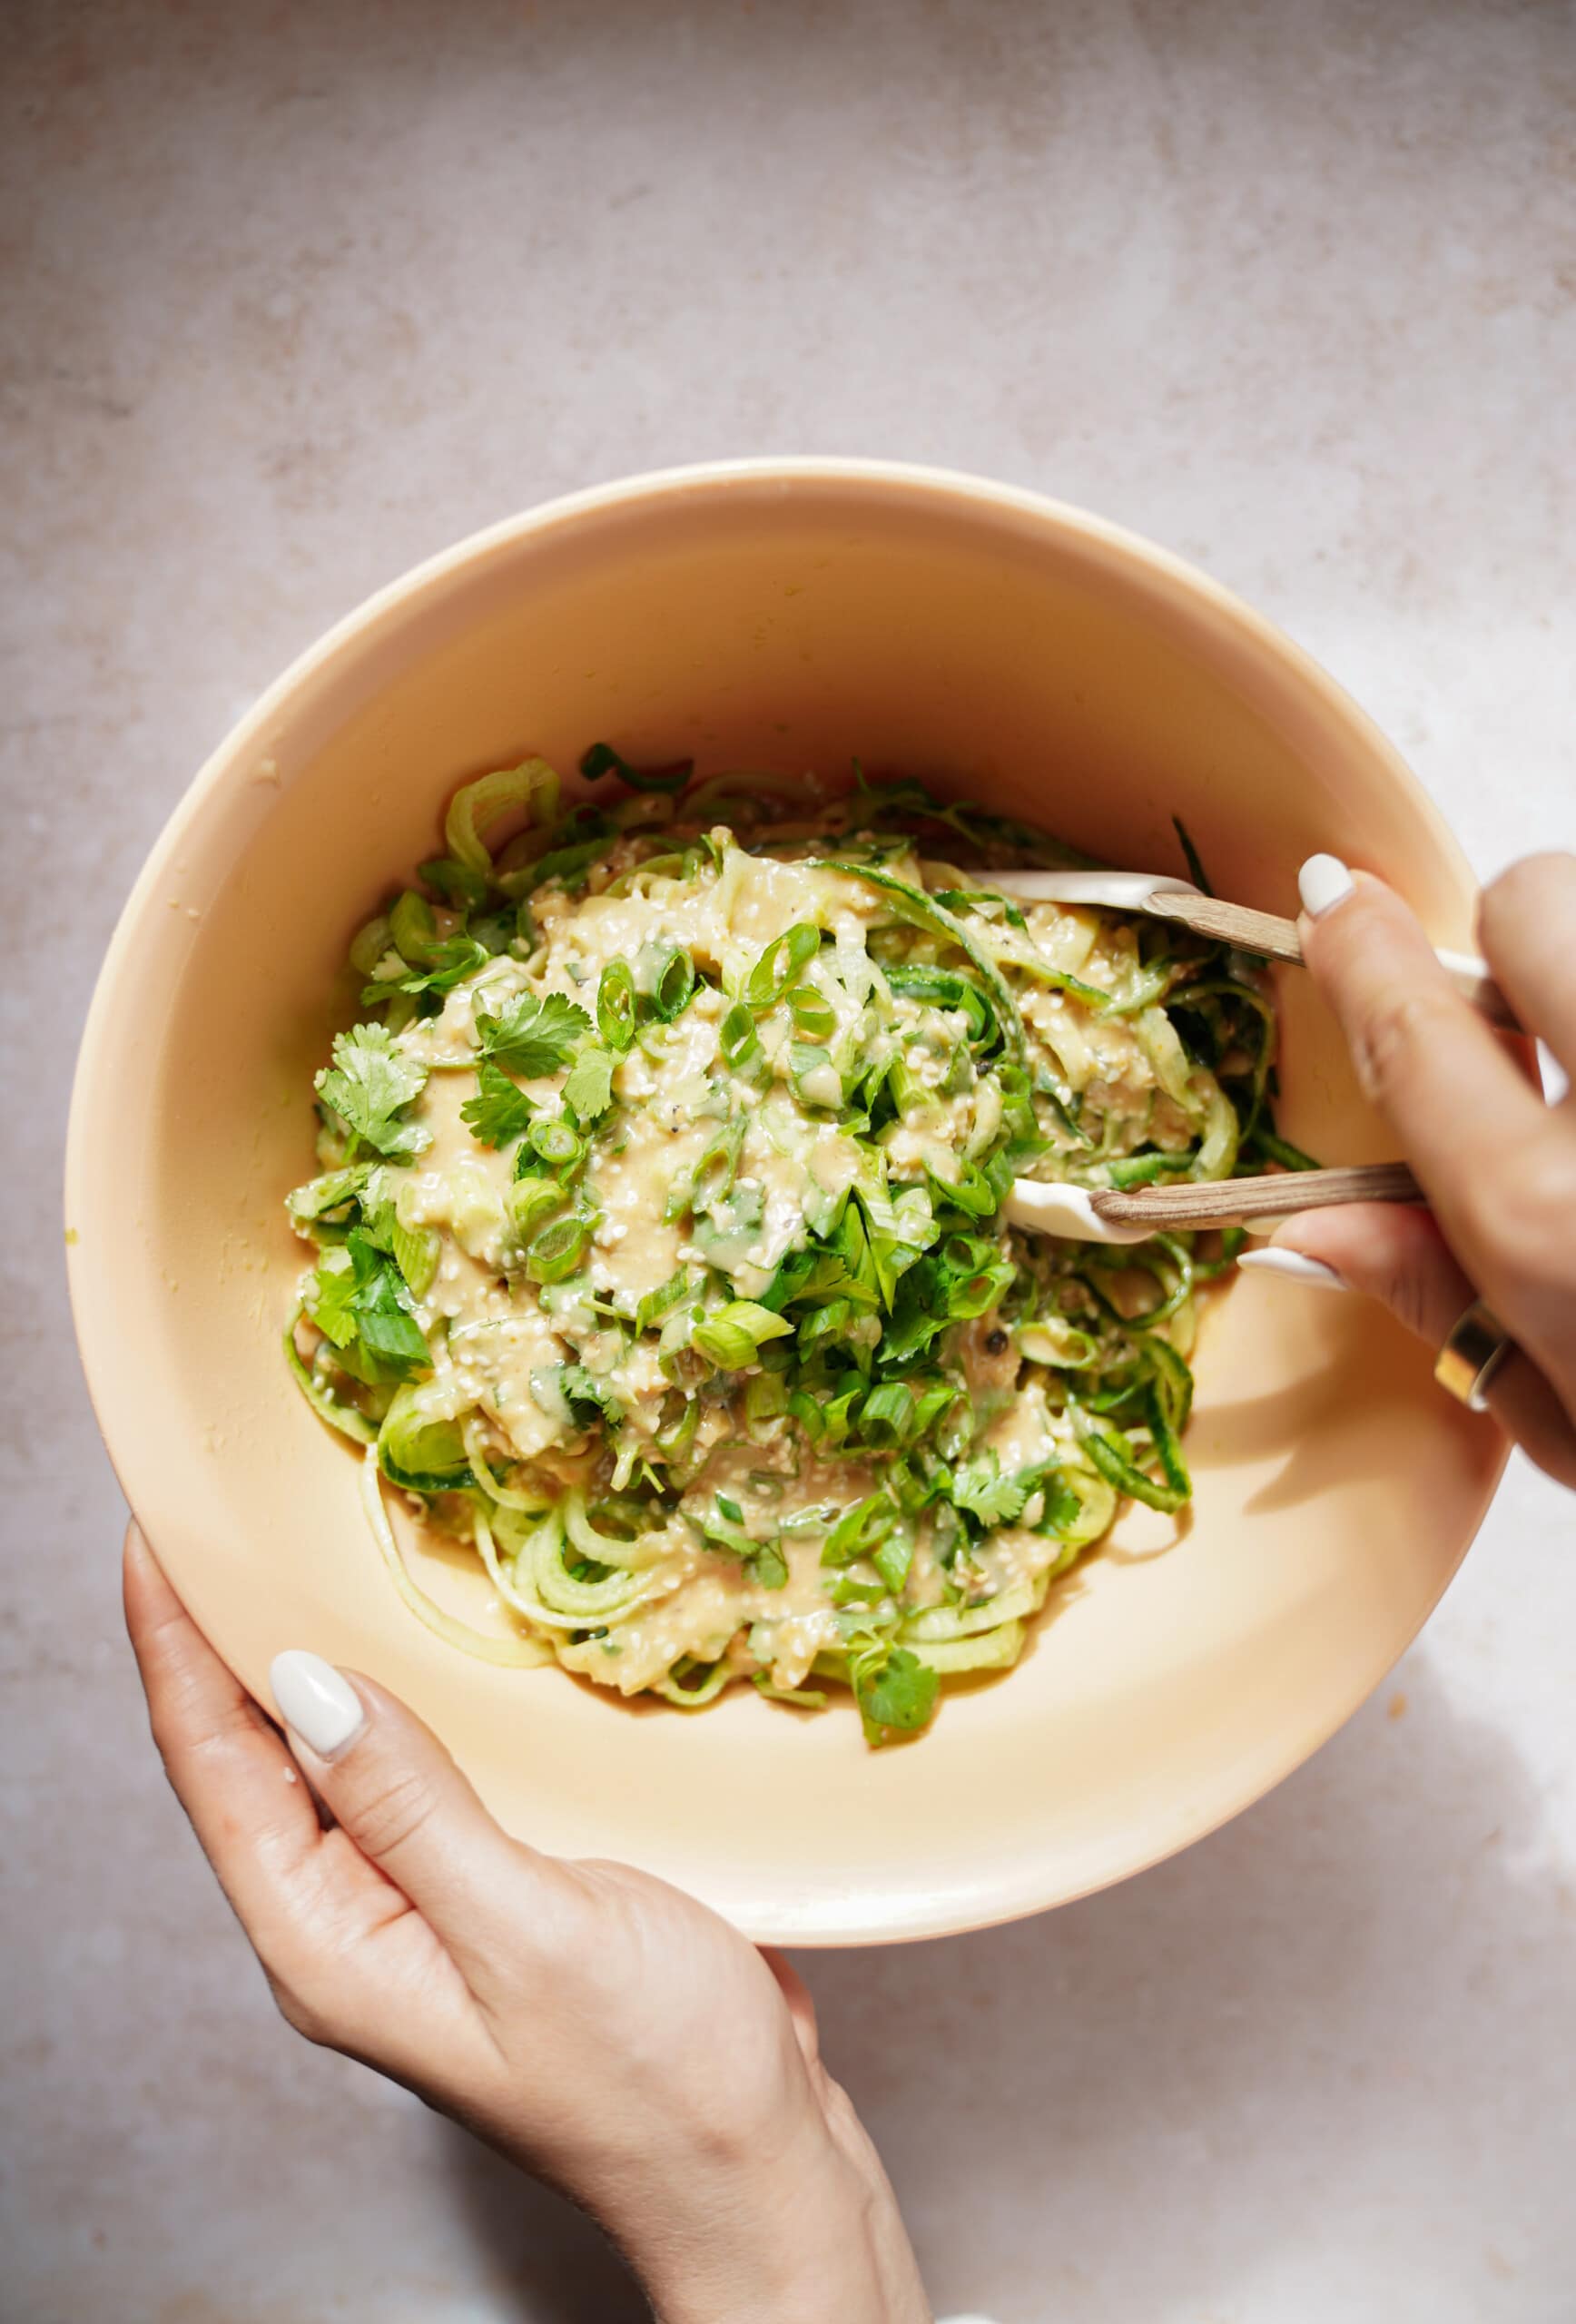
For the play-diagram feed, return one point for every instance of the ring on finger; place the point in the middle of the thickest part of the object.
(1477, 1346)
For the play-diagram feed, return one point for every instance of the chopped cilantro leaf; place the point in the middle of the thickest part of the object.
(589, 1088)
(1062, 1506)
(586, 1396)
(388, 1330)
(359, 1302)
(768, 1566)
(534, 1035)
(331, 1302)
(980, 1487)
(367, 1085)
(439, 970)
(499, 1113)
(901, 1695)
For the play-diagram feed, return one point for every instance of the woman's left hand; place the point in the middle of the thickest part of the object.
(603, 2030)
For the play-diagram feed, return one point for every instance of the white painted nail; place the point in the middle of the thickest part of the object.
(1296, 1268)
(315, 1702)
(1324, 882)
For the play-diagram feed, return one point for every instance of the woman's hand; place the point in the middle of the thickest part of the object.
(1497, 1164)
(603, 2030)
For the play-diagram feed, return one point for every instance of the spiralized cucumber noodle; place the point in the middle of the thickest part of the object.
(659, 1252)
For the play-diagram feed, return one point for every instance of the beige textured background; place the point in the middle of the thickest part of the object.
(293, 294)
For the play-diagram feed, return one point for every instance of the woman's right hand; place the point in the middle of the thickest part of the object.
(1497, 1164)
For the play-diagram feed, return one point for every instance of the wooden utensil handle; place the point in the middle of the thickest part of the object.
(1251, 931)
(1271, 939)
(1226, 1200)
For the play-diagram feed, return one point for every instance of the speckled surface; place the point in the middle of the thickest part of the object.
(293, 295)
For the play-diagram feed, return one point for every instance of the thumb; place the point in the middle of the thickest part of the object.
(394, 1790)
(1398, 1255)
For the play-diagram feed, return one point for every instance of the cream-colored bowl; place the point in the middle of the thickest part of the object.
(784, 613)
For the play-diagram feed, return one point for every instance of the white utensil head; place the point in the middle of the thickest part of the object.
(1118, 891)
(1067, 1211)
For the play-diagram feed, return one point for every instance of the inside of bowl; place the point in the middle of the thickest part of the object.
(1039, 665)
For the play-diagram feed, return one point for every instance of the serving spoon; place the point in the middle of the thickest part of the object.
(1261, 933)
(1107, 1215)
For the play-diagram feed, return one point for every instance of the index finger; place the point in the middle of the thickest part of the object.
(1453, 1097)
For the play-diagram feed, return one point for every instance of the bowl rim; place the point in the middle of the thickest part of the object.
(1179, 579)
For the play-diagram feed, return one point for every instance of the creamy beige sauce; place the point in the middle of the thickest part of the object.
(500, 1343)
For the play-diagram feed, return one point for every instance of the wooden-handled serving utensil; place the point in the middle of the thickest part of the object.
(1106, 1216)
(1260, 932)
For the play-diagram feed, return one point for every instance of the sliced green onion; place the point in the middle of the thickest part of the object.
(531, 787)
(370, 943)
(737, 1039)
(656, 1304)
(413, 929)
(557, 1250)
(332, 1191)
(556, 1142)
(814, 1018)
(615, 1005)
(530, 1200)
(813, 1075)
(780, 963)
(730, 1337)
(666, 975)
(971, 1190)
(765, 1397)
(419, 1453)
(718, 1166)
(886, 1415)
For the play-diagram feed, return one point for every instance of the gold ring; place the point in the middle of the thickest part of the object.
(1478, 1344)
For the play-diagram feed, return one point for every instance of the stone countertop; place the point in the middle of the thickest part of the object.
(294, 296)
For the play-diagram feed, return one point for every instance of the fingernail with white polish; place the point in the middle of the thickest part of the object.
(1296, 1268)
(1324, 882)
(315, 1702)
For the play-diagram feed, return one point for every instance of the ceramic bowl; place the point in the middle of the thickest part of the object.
(790, 614)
